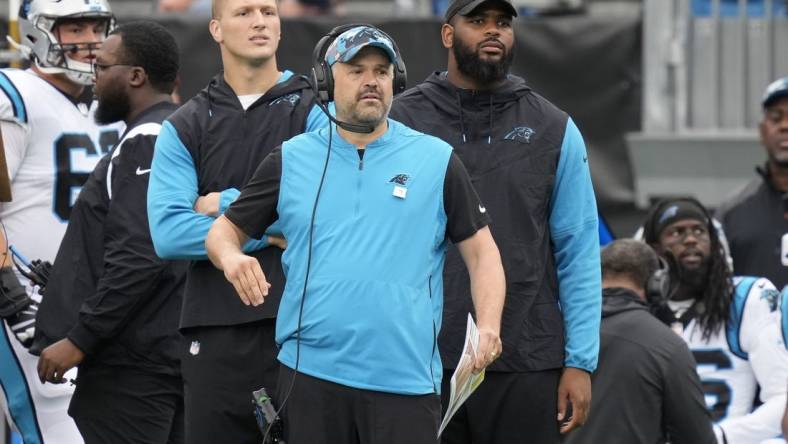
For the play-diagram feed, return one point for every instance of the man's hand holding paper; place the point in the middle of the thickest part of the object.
(489, 349)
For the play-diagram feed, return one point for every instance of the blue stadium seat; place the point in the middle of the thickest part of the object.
(730, 8)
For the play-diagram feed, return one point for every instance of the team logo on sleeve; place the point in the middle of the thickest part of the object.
(772, 297)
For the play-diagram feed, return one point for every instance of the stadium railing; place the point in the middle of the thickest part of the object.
(706, 64)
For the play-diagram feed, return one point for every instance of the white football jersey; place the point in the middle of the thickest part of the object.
(51, 146)
(749, 352)
(61, 146)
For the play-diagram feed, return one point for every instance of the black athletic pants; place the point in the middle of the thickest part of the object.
(321, 412)
(221, 368)
(507, 408)
(123, 405)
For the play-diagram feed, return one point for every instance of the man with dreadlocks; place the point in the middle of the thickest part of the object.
(731, 324)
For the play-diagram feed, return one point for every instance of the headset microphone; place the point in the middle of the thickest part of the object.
(352, 127)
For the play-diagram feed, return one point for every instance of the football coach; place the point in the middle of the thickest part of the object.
(367, 214)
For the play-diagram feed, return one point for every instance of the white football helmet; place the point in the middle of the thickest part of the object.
(37, 20)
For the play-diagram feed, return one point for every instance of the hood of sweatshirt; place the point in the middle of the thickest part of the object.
(220, 93)
(618, 300)
(475, 109)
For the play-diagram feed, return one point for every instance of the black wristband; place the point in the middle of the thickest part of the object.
(13, 297)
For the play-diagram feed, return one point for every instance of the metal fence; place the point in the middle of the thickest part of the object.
(706, 64)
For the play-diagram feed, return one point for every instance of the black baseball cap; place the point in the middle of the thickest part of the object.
(465, 7)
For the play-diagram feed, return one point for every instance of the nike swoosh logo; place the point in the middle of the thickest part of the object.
(140, 171)
(482, 209)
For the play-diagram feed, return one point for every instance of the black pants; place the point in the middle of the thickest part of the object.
(507, 408)
(123, 405)
(221, 368)
(321, 412)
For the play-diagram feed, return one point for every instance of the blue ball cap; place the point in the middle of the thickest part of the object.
(777, 89)
(350, 42)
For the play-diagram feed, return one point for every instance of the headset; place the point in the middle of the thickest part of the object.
(658, 284)
(321, 72)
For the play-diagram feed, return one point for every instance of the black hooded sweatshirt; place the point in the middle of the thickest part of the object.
(509, 138)
(226, 144)
(646, 389)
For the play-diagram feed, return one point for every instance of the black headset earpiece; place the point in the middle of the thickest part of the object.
(658, 284)
(321, 72)
(400, 72)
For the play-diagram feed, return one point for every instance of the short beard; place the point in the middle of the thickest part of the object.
(113, 106)
(368, 119)
(481, 71)
(353, 115)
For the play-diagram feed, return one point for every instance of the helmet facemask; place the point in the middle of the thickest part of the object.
(39, 42)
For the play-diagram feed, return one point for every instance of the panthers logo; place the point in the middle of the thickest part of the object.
(521, 134)
(670, 212)
(772, 297)
(356, 38)
(400, 179)
(291, 99)
(365, 35)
